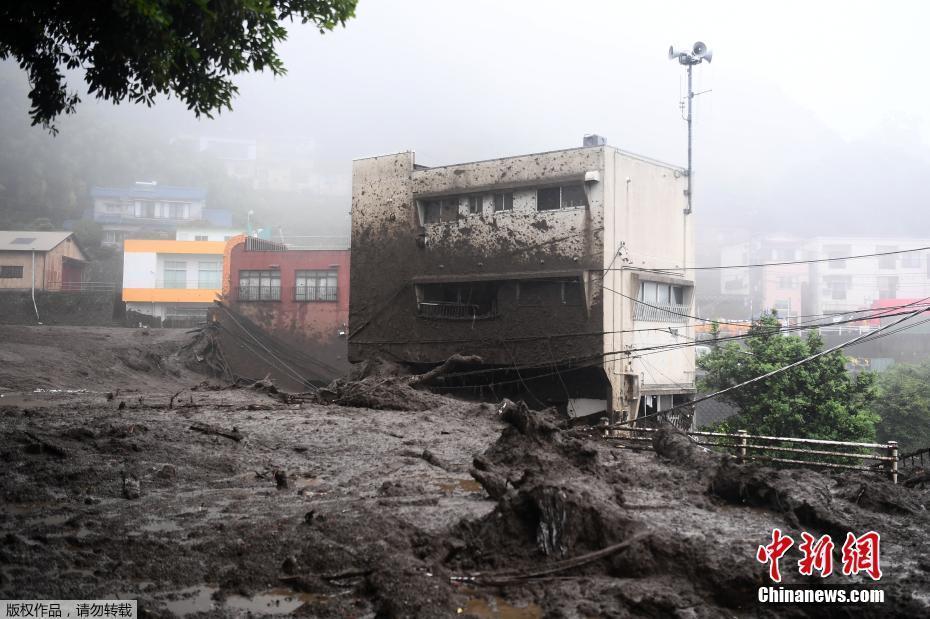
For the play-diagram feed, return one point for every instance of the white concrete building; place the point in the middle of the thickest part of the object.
(544, 262)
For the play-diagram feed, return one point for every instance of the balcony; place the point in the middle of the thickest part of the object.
(187, 284)
(660, 312)
(454, 311)
(316, 293)
(258, 293)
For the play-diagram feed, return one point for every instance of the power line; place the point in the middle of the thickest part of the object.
(780, 369)
(769, 264)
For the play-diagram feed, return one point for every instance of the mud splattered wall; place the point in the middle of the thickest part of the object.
(398, 252)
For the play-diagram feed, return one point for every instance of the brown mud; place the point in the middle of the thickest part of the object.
(200, 500)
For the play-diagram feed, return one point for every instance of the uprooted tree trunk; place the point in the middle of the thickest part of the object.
(449, 365)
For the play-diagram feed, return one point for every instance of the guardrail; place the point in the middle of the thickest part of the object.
(316, 293)
(81, 286)
(258, 293)
(452, 311)
(921, 458)
(820, 453)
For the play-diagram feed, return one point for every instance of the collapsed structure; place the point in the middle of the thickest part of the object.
(565, 271)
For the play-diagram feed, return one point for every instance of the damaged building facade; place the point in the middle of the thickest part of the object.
(565, 271)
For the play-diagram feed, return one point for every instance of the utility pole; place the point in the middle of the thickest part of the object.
(699, 53)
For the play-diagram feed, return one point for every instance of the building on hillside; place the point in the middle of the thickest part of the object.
(774, 285)
(151, 210)
(172, 283)
(298, 295)
(203, 232)
(50, 261)
(818, 281)
(537, 264)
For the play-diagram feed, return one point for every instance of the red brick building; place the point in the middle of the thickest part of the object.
(300, 296)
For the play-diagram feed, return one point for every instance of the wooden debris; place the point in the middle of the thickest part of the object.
(204, 428)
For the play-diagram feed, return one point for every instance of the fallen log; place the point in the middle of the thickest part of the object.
(203, 428)
(445, 367)
(509, 577)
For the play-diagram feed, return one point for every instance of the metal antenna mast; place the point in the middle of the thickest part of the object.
(699, 53)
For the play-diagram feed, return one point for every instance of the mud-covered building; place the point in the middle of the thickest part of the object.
(564, 271)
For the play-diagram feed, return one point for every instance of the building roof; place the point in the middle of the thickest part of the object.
(151, 191)
(30, 240)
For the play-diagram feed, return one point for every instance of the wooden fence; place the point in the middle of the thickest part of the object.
(786, 450)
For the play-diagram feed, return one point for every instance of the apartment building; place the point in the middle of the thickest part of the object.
(817, 280)
(537, 264)
(172, 282)
(152, 210)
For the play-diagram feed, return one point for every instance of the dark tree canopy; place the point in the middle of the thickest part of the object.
(137, 49)
(818, 399)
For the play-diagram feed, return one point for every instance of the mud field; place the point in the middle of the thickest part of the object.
(128, 475)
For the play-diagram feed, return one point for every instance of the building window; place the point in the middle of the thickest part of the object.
(887, 262)
(503, 201)
(112, 236)
(887, 286)
(555, 198)
(175, 274)
(548, 292)
(910, 260)
(465, 301)
(209, 274)
(201, 237)
(440, 211)
(316, 286)
(474, 205)
(836, 287)
(11, 272)
(662, 302)
(260, 285)
(835, 253)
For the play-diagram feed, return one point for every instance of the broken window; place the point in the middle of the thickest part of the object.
(175, 274)
(549, 292)
(565, 196)
(11, 272)
(260, 285)
(459, 301)
(316, 286)
(503, 201)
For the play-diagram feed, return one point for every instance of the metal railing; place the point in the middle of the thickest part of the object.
(802, 451)
(316, 293)
(920, 458)
(453, 311)
(660, 312)
(258, 293)
(190, 284)
(81, 286)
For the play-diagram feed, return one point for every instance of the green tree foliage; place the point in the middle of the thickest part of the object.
(815, 400)
(138, 49)
(904, 406)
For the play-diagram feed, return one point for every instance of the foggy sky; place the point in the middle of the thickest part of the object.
(817, 120)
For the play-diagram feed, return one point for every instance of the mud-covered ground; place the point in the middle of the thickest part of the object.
(201, 500)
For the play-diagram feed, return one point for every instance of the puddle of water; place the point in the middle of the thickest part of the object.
(463, 485)
(493, 607)
(275, 601)
(192, 600)
(278, 601)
